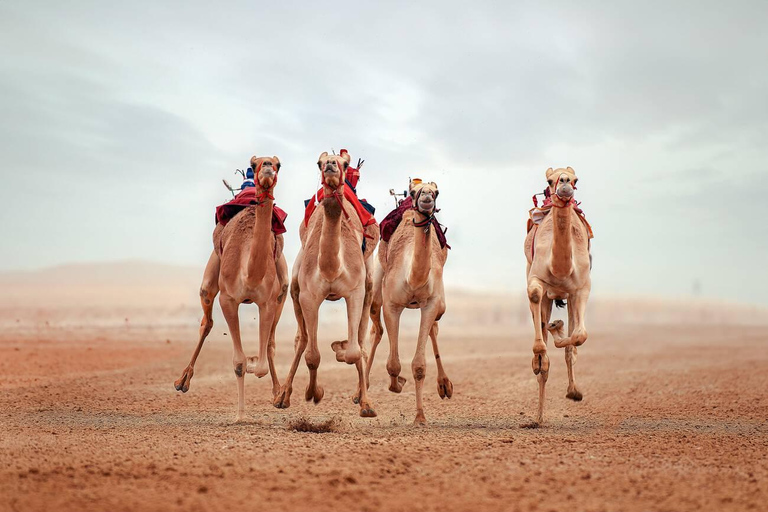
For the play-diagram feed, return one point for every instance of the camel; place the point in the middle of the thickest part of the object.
(410, 275)
(246, 266)
(330, 266)
(558, 268)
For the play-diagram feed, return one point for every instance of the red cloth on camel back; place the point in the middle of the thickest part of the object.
(365, 217)
(244, 199)
(393, 219)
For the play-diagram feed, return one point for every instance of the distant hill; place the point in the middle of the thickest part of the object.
(150, 292)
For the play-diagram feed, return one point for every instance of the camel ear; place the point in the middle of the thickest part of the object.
(254, 161)
(277, 163)
(320, 159)
(570, 170)
(345, 156)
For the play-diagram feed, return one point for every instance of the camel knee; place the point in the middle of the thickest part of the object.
(239, 367)
(312, 359)
(419, 368)
(206, 296)
(295, 290)
(535, 293)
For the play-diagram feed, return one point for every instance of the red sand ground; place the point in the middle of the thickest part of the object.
(673, 418)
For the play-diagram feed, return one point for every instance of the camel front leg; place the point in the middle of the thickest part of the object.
(208, 291)
(392, 314)
(355, 307)
(579, 332)
(444, 384)
(309, 308)
(230, 309)
(419, 363)
(540, 361)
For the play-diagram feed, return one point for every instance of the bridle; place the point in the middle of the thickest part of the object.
(568, 202)
(266, 193)
(338, 192)
(428, 217)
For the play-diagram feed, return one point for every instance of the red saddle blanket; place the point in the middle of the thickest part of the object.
(365, 216)
(247, 197)
(393, 219)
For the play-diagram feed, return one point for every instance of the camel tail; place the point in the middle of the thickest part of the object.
(560, 303)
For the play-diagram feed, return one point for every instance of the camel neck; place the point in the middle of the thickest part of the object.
(262, 243)
(562, 253)
(421, 263)
(329, 257)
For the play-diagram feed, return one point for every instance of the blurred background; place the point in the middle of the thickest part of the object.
(119, 121)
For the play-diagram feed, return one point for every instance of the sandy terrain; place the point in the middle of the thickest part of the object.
(673, 418)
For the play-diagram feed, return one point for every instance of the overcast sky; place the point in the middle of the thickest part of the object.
(119, 119)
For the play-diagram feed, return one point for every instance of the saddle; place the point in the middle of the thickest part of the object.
(537, 214)
(246, 198)
(389, 225)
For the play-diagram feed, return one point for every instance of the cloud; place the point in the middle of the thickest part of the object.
(119, 121)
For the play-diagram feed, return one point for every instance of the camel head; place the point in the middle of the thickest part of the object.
(265, 170)
(333, 169)
(424, 196)
(562, 183)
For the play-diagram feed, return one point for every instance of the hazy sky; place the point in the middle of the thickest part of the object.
(119, 119)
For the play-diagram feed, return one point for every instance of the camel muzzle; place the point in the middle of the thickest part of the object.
(565, 191)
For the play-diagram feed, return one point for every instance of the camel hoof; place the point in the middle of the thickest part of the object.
(396, 386)
(421, 420)
(554, 326)
(282, 398)
(540, 363)
(314, 394)
(240, 418)
(530, 424)
(182, 384)
(340, 349)
(574, 395)
(366, 411)
(444, 387)
(357, 397)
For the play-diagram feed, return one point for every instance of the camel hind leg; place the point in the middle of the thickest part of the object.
(377, 329)
(570, 360)
(282, 399)
(444, 384)
(540, 362)
(208, 291)
(419, 364)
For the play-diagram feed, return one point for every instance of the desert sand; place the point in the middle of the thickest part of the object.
(673, 417)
